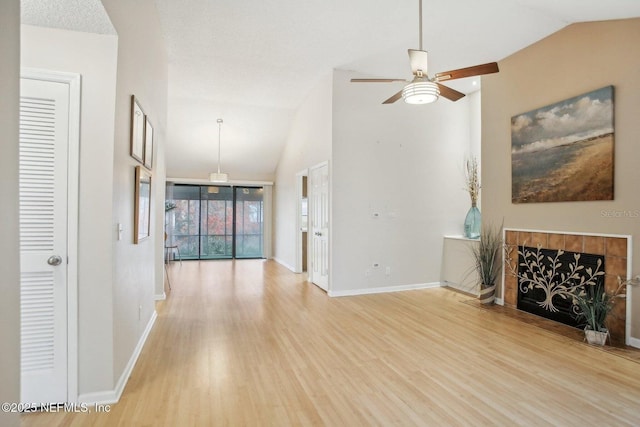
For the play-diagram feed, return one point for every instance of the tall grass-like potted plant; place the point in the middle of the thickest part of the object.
(595, 304)
(487, 257)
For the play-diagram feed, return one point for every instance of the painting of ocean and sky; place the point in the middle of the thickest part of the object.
(564, 152)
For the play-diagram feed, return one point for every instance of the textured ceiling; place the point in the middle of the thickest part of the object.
(253, 62)
(80, 15)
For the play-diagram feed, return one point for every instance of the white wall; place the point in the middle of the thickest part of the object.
(9, 243)
(405, 163)
(93, 56)
(308, 143)
(142, 71)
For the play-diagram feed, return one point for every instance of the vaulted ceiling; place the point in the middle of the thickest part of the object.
(252, 62)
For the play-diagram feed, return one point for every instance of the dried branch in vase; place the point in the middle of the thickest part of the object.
(472, 180)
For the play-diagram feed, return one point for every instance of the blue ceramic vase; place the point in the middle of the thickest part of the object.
(472, 223)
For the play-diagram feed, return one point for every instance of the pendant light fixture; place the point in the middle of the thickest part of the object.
(218, 176)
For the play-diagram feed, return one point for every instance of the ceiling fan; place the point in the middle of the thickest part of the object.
(422, 89)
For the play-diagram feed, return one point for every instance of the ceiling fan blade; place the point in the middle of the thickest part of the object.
(418, 60)
(477, 70)
(394, 98)
(449, 93)
(377, 80)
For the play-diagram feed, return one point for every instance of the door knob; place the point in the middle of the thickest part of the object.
(54, 260)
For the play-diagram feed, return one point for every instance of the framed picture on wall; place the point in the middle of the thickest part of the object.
(142, 205)
(148, 143)
(137, 130)
(564, 151)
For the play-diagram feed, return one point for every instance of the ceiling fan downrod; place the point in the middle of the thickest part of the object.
(420, 24)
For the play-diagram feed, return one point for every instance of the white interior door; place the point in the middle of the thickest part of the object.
(44, 145)
(319, 224)
(302, 224)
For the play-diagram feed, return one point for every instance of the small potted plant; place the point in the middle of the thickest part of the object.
(486, 256)
(595, 304)
(169, 205)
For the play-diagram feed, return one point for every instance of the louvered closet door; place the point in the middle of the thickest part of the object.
(44, 128)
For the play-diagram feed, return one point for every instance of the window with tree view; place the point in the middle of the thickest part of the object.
(205, 224)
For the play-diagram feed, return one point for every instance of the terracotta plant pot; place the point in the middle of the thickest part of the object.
(487, 293)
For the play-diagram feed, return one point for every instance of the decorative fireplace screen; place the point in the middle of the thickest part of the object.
(547, 280)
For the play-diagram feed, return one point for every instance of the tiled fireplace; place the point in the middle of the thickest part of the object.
(613, 249)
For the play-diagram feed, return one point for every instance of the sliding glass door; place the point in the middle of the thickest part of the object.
(217, 222)
(249, 222)
(183, 222)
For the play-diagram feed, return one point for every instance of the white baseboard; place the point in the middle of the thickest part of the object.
(160, 297)
(500, 301)
(634, 342)
(461, 287)
(99, 398)
(284, 264)
(112, 396)
(399, 288)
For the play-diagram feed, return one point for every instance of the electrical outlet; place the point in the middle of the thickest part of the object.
(367, 273)
(387, 271)
(140, 312)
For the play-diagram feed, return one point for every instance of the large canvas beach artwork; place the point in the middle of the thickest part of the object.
(564, 152)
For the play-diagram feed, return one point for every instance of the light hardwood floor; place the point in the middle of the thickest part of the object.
(250, 343)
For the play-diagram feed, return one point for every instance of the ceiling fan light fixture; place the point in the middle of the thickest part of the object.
(420, 92)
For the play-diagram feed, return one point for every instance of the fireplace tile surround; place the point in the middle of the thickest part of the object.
(613, 248)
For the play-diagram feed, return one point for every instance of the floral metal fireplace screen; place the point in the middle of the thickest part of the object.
(549, 279)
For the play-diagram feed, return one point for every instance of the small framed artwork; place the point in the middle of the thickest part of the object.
(148, 143)
(137, 130)
(142, 205)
